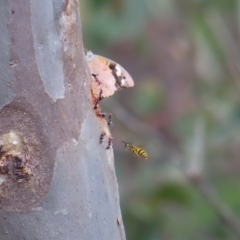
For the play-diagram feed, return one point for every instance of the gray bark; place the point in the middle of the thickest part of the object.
(65, 185)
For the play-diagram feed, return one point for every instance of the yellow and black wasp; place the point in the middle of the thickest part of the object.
(138, 151)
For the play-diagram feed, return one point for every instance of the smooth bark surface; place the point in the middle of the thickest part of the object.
(72, 192)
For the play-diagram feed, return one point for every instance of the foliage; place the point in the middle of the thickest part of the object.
(200, 81)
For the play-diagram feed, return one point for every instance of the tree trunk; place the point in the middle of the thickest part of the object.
(56, 181)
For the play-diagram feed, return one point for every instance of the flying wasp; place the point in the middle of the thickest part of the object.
(138, 151)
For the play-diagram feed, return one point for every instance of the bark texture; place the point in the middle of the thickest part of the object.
(57, 182)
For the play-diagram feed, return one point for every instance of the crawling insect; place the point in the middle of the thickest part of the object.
(138, 151)
(102, 137)
(118, 221)
(109, 143)
(109, 119)
(100, 98)
(96, 79)
(101, 114)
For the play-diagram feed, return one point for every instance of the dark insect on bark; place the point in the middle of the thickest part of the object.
(109, 143)
(100, 98)
(102, 137)
(96, 79)
(109, 119)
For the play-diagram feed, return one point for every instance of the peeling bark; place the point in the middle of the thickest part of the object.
(64, 185)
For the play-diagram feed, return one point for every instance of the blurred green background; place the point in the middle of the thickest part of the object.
(184, 110)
